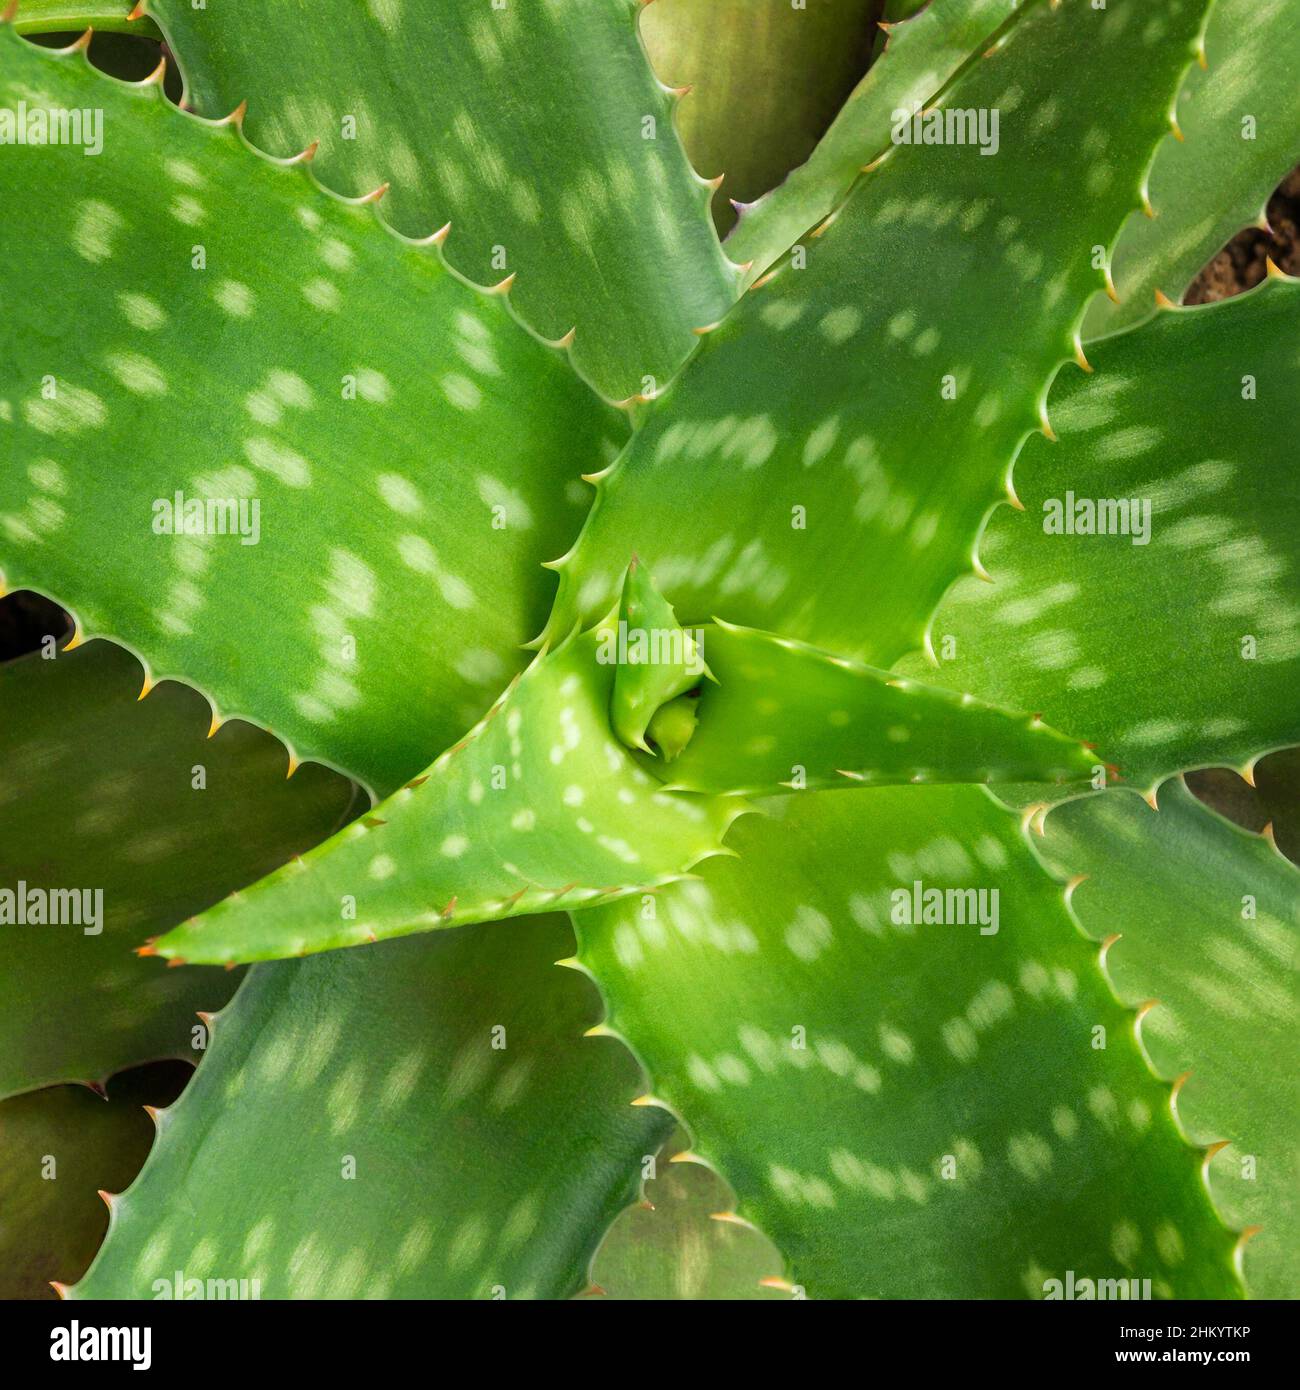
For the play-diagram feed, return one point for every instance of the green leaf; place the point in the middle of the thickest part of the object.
(538, 807)
(918, 60)
(684, 1241)
(422, 1120)
(1240, 114)
(1183, 649)
(413, 455)
(903, 9)
(1202, 923)
(536, 130)
(58, 1148)
(766, 78)
(908, 1109)
(673, 726)
(783, 715)
(105, 793)
(655, 658)
(811, 439)
(75, 16)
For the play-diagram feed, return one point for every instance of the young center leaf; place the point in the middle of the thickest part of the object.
(781, 715)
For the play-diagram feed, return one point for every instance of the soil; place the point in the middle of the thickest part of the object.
(1241, 264)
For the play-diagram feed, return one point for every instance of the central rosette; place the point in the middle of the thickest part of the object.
(659, 669)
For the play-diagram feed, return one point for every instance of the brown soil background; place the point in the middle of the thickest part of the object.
(1241, 265)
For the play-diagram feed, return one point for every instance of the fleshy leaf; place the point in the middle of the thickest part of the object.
(74, 16)
(1240, 115)
(896, 10)
(655, 658)
(684, 1241)
(1174, 639)
(403, 454)
(1201, 924)
(126, 803)
(766, 78)
(537, 131)
(538, 807)
(58, 1148)
(674, 725)
(783, 715)
(823, 468)
(423, 1120)
(918, 60)
(908, 1108)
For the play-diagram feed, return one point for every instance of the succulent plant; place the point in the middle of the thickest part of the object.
(752, 677)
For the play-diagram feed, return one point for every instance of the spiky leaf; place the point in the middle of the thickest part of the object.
(539, 806)
(422, 1120)
(1202, 925)
(536, 130)
(766, 78)
(1239, 112)
(1173, 638)
(908, 1109)
(857, 419)
(917, 61)
(73, 16)
(410, 452)
(102, 793)
(58, 1148)
(684, 1241)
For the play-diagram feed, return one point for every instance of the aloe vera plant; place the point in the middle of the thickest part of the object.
(734, 693)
